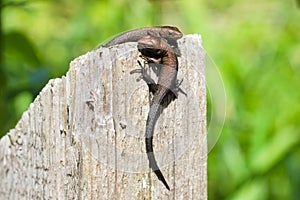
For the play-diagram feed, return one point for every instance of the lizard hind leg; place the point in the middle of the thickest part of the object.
(178, 89)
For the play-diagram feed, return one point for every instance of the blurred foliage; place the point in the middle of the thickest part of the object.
(255, 44)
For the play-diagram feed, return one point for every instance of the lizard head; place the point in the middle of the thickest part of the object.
(170, 33)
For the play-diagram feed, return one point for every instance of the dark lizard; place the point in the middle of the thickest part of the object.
(170, 33)
(157, 50)
(167, 51)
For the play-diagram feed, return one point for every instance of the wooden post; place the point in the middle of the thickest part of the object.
(83, 136)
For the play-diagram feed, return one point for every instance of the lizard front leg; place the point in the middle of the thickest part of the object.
(146, 77)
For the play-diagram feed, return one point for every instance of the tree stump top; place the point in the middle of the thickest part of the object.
(83, 136)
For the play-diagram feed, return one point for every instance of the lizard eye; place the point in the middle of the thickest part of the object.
(170, 33)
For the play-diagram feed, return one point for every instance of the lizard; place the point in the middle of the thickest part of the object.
(170, 33)
(167, 49)
(157, 50)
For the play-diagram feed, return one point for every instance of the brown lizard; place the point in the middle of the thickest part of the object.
(158, 45)
(157, 50)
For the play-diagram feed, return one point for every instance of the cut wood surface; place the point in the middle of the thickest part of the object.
(83, 136)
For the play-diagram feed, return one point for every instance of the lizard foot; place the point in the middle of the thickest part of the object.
(178, 89)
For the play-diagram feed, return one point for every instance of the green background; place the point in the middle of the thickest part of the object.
(254, 44)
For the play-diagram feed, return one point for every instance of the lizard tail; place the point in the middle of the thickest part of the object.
(155, 110)
(152, 162)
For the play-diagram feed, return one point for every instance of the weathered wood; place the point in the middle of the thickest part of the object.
(83, 136)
